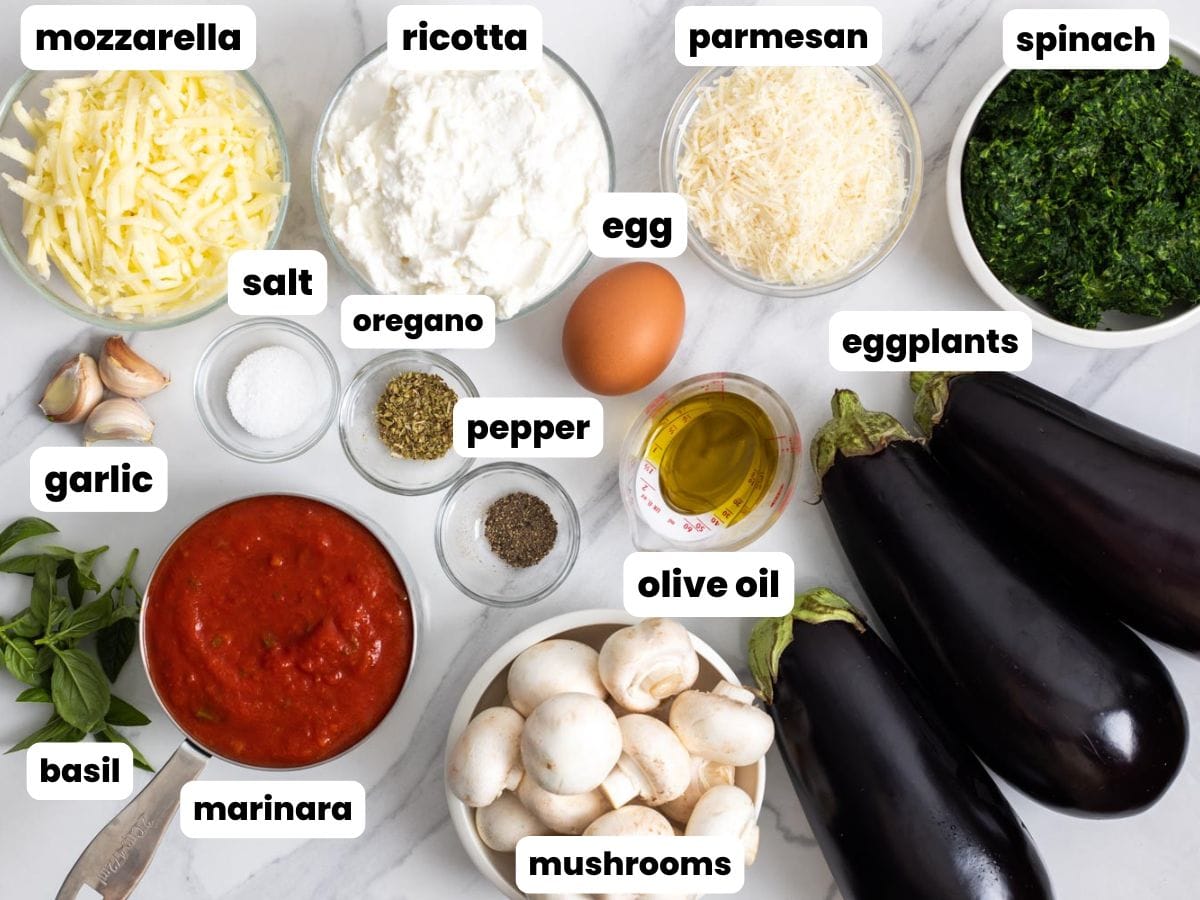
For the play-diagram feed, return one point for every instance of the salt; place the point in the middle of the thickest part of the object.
(272, 392)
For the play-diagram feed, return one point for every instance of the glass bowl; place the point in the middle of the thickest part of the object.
(671, 149)
(360, 437)
(56, 290)
(222, 356)
(335, 247)
(468, 559)
(654, 525)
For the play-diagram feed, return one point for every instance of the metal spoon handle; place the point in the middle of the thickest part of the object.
(118, 856)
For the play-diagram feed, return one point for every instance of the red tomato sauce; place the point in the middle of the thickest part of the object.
(278, 631)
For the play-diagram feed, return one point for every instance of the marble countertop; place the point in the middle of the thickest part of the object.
(940, 53)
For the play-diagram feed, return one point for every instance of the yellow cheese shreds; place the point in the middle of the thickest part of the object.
(141, 185)
(793, 174)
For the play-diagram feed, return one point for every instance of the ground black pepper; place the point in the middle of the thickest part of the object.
(520, 529)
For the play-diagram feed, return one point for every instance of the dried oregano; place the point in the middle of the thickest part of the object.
(415, 416)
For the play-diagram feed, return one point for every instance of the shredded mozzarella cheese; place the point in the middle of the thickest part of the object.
(141, 185)
(795, 175)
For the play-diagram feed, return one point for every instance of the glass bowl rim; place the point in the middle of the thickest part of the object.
(312, 339)
(11, 254)
(345, 413)
(572, 527)
(322, 214)
(686, 102)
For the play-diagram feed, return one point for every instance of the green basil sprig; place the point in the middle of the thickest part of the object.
(40, 644)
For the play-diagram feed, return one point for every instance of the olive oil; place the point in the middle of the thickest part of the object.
(716, 453)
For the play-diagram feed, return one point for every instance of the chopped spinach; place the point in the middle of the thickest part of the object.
(1082, 189)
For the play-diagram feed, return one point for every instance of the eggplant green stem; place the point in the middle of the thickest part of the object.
(770, 637)
(853, 431)
(933, 391)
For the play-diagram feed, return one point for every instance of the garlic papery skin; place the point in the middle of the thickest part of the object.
(73, 392)
(118, 419)
(126, 373)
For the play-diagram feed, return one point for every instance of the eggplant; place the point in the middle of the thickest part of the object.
(1067, 704)
(1119, 507)
(899, 805)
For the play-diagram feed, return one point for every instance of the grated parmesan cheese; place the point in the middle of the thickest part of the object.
(794, 175)
(141, 185)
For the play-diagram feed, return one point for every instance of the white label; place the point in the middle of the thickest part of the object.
(709, 585)
(98, 479)
(1086, 39)
(278, 282)
(877, 341)
(430, 321)
(434, 38)
(272, 809)
(637, 226)
(778, 36)
(630, 865)
(88, 770)
(521, 427)
(193, 38)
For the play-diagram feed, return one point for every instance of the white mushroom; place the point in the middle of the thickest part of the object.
(562, 813)
(726, 811)
(646, 663)
(654, 765)
(570, 743)
(503, 823)
(720, 729)
(631, 820)
(486, 759)
(704, 775)
(553, 667)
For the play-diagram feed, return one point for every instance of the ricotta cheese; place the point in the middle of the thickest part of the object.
(463, 182)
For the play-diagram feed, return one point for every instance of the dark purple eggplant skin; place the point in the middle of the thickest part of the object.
(1069, 706)
(1121, 507)
(899, 805)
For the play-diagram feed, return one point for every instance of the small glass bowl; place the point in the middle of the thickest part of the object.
(360, 436)
(465, 554)
(671, 150)
(216, 366)
(56, 290)
(335, 247)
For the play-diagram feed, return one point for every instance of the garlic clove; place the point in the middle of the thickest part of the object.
(126, 373)
(118, 419)
(73, 392)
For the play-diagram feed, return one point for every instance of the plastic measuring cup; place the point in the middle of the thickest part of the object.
(654, 524)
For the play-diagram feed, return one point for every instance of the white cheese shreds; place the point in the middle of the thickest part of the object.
(794, 175)
(141, 185)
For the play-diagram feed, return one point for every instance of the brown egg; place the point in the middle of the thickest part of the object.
(624, 328)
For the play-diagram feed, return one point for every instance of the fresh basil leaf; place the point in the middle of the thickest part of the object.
(22, 530)
(108, 734)
(21, 659)
(54, 730)
(45, 660)
(122, 713)
(26, 564)
(24, 625)
(114, 645)
(81, 694)
(60, 611)
(44, 578)
(85, 620)
(34, 695)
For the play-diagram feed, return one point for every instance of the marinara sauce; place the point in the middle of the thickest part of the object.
(278, 631)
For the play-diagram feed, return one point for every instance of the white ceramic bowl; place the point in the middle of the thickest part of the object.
(1117, 329)
(487, 688)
